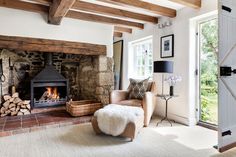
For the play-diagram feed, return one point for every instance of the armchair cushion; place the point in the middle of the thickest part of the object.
(137, 88)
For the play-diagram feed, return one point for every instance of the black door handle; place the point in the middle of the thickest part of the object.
(227, 71)
(226, 8)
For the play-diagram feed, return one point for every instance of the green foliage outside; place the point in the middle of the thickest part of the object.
(209, 51)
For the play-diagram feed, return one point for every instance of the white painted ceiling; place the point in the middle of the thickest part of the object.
(164, 3)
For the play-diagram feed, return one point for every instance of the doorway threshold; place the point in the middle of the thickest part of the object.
(208, 125)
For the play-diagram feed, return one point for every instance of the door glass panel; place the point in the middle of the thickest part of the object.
(208, 71)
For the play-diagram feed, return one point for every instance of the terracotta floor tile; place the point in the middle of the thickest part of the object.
(43, 115)
(2, 119)
(13, 121)
(61, 119)
(27, 123)
(28, 117)
(41, 123)
(13, 118)
(12, 127)
(29, 120)
(44, 119)
(1, 127)
(2, 122)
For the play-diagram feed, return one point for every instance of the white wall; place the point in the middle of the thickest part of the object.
(29, 24)
(181, 108)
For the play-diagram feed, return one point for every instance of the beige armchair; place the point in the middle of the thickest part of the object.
(148, 103)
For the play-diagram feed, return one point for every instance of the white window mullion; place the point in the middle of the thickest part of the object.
(142, 54)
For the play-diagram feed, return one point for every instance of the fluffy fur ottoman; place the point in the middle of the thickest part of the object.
(118, 120)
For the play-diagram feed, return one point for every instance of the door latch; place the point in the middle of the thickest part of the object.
(227, 71)
(228, 9)
(228, 132)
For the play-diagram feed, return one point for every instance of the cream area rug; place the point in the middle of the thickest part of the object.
(81, 141)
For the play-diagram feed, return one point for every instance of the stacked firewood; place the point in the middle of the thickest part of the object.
(14, 106)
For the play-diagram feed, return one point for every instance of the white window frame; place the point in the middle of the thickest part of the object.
(132, 58)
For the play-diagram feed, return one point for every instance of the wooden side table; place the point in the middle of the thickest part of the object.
(166, 98)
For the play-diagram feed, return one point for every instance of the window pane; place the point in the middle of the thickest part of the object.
(139, 59)
(150, 70)
(150, 61)
(139, 71)
(143, 61)
(142, 71)
(143, 58)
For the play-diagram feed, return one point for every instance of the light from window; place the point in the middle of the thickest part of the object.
(142, 59)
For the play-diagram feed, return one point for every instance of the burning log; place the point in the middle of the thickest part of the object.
(14, 106)
(50, 94)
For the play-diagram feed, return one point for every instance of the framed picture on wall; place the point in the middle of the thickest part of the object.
(167, 46)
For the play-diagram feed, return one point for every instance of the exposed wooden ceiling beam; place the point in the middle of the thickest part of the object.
(190, 3)
(118, 34)
(16, 4)
(85, 6)
(46, 45)
(24, 6)
(122, 29)
(102, 19)
(45, 2)
(58, 9)
(157, 9)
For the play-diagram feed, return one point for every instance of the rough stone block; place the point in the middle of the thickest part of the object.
(87, 68)
(102, 63)
(104, 99)
(105, 78)
(110, 64)
(99, 90)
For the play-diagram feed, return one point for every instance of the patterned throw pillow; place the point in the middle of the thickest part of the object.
(137, 88)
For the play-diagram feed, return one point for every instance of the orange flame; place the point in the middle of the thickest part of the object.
(52, 93)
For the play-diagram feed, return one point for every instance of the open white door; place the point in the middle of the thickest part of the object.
(227, 79)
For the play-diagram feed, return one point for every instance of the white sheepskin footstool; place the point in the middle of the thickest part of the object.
(118, 120)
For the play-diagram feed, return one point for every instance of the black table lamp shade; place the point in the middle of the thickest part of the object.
(163, 67)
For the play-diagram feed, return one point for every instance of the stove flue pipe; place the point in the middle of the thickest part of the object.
(48, 59)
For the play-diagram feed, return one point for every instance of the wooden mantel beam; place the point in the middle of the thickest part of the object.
(58, 9)
(95, 8)
(150, 7)
(190, 3)
(46, 45)
(24, 6)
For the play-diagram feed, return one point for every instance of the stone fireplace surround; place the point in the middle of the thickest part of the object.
(90, 77)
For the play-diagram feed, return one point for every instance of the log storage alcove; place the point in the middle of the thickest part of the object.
(49, 45)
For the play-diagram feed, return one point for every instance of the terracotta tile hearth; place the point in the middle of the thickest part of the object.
(28, 123)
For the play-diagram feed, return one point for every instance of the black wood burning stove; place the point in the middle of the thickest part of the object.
(49, 88)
